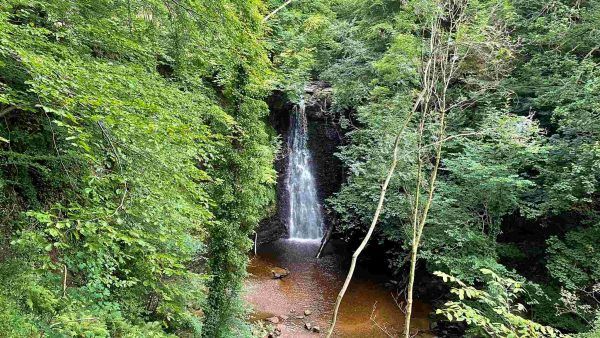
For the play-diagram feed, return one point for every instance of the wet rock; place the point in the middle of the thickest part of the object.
(274, 319)
(279, 273)
(307, 312)
(316, 329)
(299, 317)
(308, 326)
(318, 100)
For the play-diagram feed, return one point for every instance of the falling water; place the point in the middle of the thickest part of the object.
(305, 219)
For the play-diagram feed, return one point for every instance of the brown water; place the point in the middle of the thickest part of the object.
(314, 284)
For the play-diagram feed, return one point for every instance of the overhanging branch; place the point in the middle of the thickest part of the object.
(266, 18)
(7, 110)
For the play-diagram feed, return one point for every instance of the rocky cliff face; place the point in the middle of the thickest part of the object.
(318, 97)
(324, 138)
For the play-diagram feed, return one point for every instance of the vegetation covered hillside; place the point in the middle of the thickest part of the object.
(134, 165)
(136, 159)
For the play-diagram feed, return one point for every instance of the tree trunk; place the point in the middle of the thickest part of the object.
(384, 187)
(409, 295)
(324, 241)
(364, 242)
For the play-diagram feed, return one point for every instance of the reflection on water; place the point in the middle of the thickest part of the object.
(314, 285)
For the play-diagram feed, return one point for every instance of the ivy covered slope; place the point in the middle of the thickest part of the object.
(134, 164)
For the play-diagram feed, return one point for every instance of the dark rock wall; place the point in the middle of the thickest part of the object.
(274, 227)
(323, 140)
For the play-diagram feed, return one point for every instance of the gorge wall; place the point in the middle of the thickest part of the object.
(323, 140)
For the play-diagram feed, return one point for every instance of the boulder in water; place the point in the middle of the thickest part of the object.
(308, 326)
(279, 273)
(307, 312)
(316, 329)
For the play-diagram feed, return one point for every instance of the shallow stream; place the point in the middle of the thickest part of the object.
(368, 307)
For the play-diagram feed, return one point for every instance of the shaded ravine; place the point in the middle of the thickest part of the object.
(368, 310)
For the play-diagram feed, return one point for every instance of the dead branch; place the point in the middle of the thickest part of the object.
(114, 149)
(381, 327)
(7, 110)
(266, 18)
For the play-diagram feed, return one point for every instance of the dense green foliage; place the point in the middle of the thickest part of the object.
(500, 299)
(134, 165)
(519, 178)
(298, 42)
(135, 161)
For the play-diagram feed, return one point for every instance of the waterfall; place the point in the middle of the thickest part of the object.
(305, 217)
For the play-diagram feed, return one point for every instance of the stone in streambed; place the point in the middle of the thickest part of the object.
(284, 318)
(316, 329)
(308, 326)
(299, 317)
(274, 320)
(307, 312)
(279, 273)
(278, 330)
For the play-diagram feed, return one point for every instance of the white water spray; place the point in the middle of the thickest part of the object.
(305, 218)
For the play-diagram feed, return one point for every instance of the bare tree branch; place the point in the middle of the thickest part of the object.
(384, 187)
(382, 326)
(266, 18)
(7, 110)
